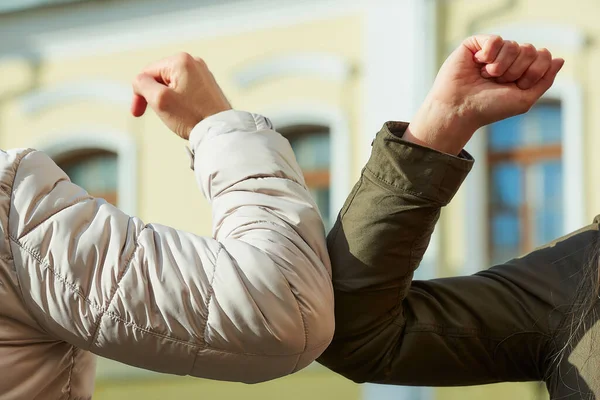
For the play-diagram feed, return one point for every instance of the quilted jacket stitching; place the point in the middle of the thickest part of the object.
(54, 213)
(71, 368)
(211, 292)
(118, 318)
(114, 291)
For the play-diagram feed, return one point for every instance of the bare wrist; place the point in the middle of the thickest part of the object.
(441, 128)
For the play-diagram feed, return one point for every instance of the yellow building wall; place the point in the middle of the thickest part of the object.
(167, 191)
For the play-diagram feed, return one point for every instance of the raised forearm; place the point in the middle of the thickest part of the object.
(379, 240)
(390, 215)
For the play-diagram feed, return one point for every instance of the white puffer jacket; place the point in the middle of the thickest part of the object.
(78, 276)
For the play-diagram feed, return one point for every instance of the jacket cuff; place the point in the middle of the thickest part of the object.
(407, 167)
(223, 123)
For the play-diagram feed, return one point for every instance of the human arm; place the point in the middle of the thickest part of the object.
(502, 324)
(385, 227)
(252, 303)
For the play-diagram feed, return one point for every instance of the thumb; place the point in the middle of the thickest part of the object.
(147, 91)
(547, 80)
(138, 105)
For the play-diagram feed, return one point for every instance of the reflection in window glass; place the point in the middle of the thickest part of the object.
(93, 170)
(526, 182)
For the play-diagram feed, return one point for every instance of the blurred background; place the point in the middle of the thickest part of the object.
(329, 73)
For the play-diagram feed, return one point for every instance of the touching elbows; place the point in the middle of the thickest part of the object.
(268, 317)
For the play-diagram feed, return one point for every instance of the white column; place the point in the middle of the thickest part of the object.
(399, 66)
(399, 61)
(476, 208)
(570, 94)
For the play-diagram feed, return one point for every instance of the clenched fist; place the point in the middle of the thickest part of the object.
(181, 90)
(485, 80)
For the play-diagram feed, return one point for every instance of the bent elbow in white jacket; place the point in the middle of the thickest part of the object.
(269, 316)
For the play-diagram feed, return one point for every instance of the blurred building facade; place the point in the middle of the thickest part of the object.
(328, 73)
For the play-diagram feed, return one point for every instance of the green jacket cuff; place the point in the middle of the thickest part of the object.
(410, 168)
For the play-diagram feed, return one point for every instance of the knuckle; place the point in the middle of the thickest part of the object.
(528, 49)
(512, 47)
(200, 61)
(495, 70)
(495, 44)
(138, 78)
(138, 83)
(496, 39)
(184, 59)
(545, 53)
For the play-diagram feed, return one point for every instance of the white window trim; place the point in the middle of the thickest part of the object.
(321, 114)
(475, 209)
(119, 143)
(100, 90)
(570, 95)
(324, 65)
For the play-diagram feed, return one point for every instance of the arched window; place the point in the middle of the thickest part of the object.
(312, 146)
(102, 162)
(95, 170)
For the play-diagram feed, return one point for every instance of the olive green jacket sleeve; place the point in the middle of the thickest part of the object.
(497, 325)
